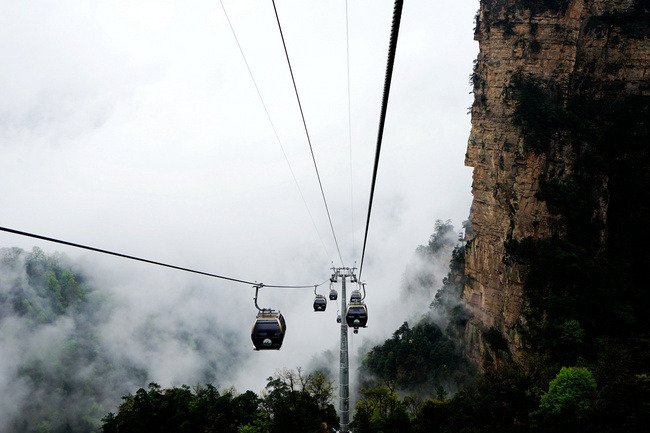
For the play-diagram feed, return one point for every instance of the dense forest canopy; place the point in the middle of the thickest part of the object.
(292, 402)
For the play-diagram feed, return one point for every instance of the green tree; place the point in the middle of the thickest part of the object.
(432, 416)
(71, 291)
(442, 237)
(298, 403)
(570, 397)
(54, 292)
(380, 410)
(415, 356)
(320, 387)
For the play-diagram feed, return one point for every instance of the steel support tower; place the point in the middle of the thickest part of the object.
(344, 376)
(344, 364)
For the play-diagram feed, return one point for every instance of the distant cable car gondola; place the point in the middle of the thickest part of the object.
(320, 303)
(357, 316)
(334, 295)
(355, 296)
(269, 328)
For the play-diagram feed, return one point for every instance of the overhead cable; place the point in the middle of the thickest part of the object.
(275, 132)
(153, 262)
(311, 149)
(394, 32)
(347, 50)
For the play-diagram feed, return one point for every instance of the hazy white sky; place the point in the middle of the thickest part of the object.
(134, 126)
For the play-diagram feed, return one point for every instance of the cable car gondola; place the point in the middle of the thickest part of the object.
(268, 330)
(333, 295)
(355, 296)
(320, 303)
(269, 327)
(357, 316)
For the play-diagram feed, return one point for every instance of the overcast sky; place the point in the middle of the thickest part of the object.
(134, 126)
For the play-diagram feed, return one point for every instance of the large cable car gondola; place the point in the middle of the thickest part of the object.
(357, 316)
(268, 329)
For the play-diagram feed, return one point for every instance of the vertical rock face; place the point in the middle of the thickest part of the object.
(577, 48)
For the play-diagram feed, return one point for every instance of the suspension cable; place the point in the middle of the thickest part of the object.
(347, 49)
(153, 262)
(275, 132)
(311, 149)
(397, 16)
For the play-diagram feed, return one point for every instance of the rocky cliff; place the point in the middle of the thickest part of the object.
(556, 84)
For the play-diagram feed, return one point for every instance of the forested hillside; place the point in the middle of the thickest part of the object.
(576, 380)
(424, 356)
(48, 327)
(59, 371)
